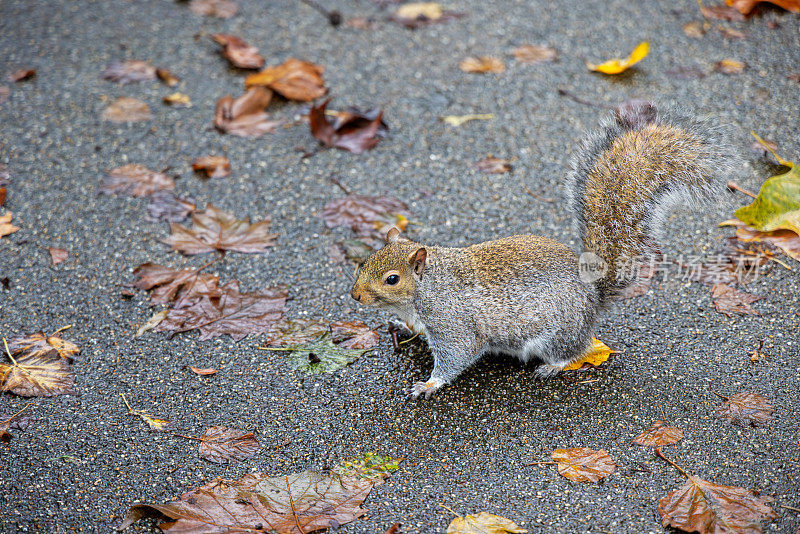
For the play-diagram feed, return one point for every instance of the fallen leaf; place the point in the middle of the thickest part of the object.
(227, 311)
(419, 14)
(169, 79)
(293, 79)
(659, 435)
(154, 423)
(33, 374)
(173, 284)
(322, 356)
(6, 227)
(356, 250)
(126, 109)
(616, 66)
(352, 130)
(730, 33)
(746, 6)
(582, 464)
(203, 372)
(295, 332)
(366, 215)
(728, 300)
(245, 116)
(483, 523)
(534, 54)
(18, 421)
(212, 166)
(694, 30)
(458, 120)
(165, 205)
(130, 71)
(394, 529)
(21, 75)
(178, 100)
(353, 335)
(220, 445)
(729, 66)
(746, 408)
(39, 344)
(215, 230)
(135, 180)
(57, 255)
(721, 12)
(152, 322)
(238, 52)
(368, 465)
(492, 165)
(299, 503)
(593, 357)
(223, 9)
(786, 240)
(482, 64)
(2, 196)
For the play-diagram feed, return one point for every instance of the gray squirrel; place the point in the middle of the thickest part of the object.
(525, 295)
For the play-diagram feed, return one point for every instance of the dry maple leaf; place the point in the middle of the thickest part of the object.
(39, 344)
(215, 230)
(482, 64)
(173, 284)
(129, 72)
(57, 255)
(238, 52)
(294, 79)
(659, 435)
(534, 54)
(135, 180)
(6, 227)
(492, 165)
(729, 66)
(729, 300)
(126, 109)
(366, 215)
(722, 13)
(746, 408)
(299, 503)
(351, 130)
(353, 335)
(167, 206)
(746, 6)
(34, 374)
(582, 464)
(223, 9)
(220, 445)
(212, 166)
(21, 75)
(245, 116)
(616, 66)
(483, 523)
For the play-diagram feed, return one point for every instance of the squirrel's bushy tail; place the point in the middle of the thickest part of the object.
(628, 174)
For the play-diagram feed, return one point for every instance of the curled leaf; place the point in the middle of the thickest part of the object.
(616, 66)
(294, 79)
(582, 464)
(459, 120)
(21, 75)
(212, 166)
(492, 165)
(203, 372)
(238, 52)
(747, 6)
(245, 116)
(6, 227)
(597, 353)
(152, 322)
(419, 14)
(178, 100)
(534, 54)
(729, 66)
(351, 130)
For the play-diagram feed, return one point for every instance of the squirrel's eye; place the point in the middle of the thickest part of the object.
(392, 279)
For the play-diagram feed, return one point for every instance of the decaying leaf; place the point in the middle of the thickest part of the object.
(492, 165)
(18, 421)
(220, 445)
(6, 227)
(215, 230)
(366, 215)
(721, 12)
(368, 465)
(483, 523)
(21, 75)
(165, 205)
(212, 166)
(729, 300)
(126, 109)
(482, 64)
(295, 332)
(659, 435)
(203, 372)
(57, 255)
(135, 180)
(245, 116)
(173, 284)
(458, 120)
(39, 344)
(130, 71)
(178, 100)
(153, 422)
(594, 356)
(582, 464)
(227, 311)
(746, 408)
(223, 9)
(351, 130)
(534, 54)
(694, 30)
(786, 240)
(616, 66)
(293, 79)
(152, 322)
(419, 14)
(299, 503)
(322, 356)
(747, 6)
(729, 66)
(36, 374)
(167, 78)
(238, 52)
(353, 335)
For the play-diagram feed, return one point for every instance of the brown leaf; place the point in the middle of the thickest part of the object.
(135, 180)
(178, 100)
(2, 196)
(212, 166)
(227, 311)
(223, 9)
(6, 227)
(21, 75)
(167, 206)
(786, 240)
(220, 444)
(169, 79)
(37, 375)
(721, 12)
(420, 14)
(483, 523)
(215, 230)
(482, 64)
(535, 54)
(582, 464)
(238, 52)
(366, 215)
(352, 130)
(39, 344)
(295, 332)
(203, 372)
(353, 335)
(299, 503)
(729, 66)
(694, 30)
(57, 255)
(293, 79)
(245, 116)
(746, 408)
(125, 109)
(728, 300)
(173, 284)
(659, 435)
(492, 165)
(747, 6)
(129, 72)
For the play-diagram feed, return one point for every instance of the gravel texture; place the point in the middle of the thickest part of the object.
(84, 461)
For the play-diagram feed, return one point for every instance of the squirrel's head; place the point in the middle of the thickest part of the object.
(389, 277)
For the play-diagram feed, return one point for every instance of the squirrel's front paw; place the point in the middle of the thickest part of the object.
(426, 387)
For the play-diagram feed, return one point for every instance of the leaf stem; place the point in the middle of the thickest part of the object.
(16, 414)
(288, 349)
(792, 508)
(717, 394)
(735, 187)
(415, 336)
(130, 410)
(9, 352)
(660, 454)
(450, 510)
(188, 437)
(61, 329)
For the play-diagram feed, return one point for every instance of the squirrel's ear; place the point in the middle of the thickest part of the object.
(393, 235)
(417, 261)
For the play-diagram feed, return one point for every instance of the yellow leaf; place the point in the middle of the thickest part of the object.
(597, 354)
(458, 120)
(615, 66)
(429, 10)
(153, 422)
(482, 64)
(178, 100)
(5, 225)
(483, 523)
(152, 322)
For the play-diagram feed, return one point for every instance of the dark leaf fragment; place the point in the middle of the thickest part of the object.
(212, 166)
(746, 408)
(21, 75)
(492, 165)
(729, 300)
(131, 71)
(366, 215)
(165, 205)
(220, 444)
(352, 130)
(238, 52)
(294, 79)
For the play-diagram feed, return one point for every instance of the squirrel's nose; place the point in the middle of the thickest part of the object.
(355, 294)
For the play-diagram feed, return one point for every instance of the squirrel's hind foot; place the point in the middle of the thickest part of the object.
(547, 370)
(426, 388)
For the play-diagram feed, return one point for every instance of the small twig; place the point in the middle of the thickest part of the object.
(130, 410)
(450, 510)
(412, 338)
(589, 381)
(792, 508)
(579, 100)
(334, 17)
(660, 454)
(538, 197)
(16, 414)
(734, 187)
(663, 417)
(717, 394)
(338, 183)
(62, 329)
